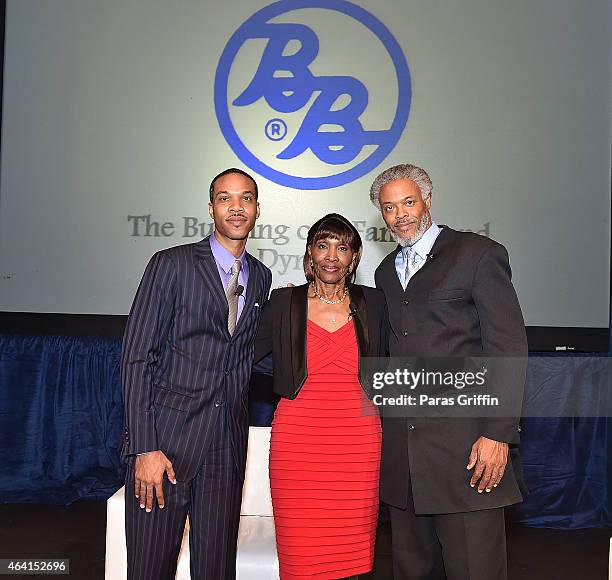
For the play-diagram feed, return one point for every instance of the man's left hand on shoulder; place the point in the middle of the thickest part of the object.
(488, 458)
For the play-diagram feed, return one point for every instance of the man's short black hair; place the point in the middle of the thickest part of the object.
(227, 172)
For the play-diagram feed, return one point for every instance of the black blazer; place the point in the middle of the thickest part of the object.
(461, 303)
(180, 367)
(282, 332)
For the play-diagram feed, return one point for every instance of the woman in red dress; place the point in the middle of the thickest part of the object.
(326, 434)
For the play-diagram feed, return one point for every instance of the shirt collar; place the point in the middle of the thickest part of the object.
(424, 245)
(224, 257)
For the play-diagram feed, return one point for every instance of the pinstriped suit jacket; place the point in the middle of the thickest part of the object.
(180, 367)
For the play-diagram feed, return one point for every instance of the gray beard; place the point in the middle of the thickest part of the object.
(422, 227)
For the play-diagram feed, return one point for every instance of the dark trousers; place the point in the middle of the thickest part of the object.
(461, 546)
(212, 501)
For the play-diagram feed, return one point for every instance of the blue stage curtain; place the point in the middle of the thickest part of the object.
(568, 469)
(61, 419)
(567, 461)
(61, 422)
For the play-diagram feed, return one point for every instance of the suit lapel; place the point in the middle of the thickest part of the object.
(392, 284)
(206, 265)
(442, 242)
(252, 293)
(298, 320)
(360, 319)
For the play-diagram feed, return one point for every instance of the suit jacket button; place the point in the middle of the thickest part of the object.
(217, 403)
(411, 427)
(226, 372)
(406, 302)
(405, 333)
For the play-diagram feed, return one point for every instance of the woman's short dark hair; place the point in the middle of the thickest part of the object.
(337, 227)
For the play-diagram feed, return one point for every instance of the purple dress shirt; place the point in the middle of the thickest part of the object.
(225, 260)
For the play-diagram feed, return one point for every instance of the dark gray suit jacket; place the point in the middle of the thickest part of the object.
(180, 367)
(461, 303)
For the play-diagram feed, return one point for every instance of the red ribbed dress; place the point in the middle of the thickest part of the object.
(324, 465)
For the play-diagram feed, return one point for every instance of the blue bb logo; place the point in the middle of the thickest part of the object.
(312, 94)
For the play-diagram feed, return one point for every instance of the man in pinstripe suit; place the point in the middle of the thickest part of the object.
(185, 366)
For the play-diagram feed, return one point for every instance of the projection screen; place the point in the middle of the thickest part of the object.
(116, 115)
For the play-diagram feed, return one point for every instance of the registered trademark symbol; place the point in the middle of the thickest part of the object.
(276, 129)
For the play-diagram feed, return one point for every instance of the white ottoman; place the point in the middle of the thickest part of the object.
(256, 559)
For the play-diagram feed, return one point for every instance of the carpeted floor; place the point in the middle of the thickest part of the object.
(78, 532)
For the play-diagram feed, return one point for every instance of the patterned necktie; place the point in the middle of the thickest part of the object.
(412, 264)
(232, 297)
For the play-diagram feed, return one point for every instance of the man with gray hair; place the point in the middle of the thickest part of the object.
(449, 294)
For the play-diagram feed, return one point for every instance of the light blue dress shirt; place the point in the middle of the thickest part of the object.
(421, 249)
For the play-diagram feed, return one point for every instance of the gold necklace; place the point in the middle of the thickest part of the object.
(326, 300)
